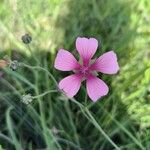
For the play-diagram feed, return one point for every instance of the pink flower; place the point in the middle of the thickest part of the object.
(65, 61)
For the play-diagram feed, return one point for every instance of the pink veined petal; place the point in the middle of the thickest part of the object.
(65, 61)
(106, 63)
(71, 84)
(86, 48)
(96, 88)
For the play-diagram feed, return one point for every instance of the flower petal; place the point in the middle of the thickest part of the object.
(71, 84)
(106, 63)
(96, 88)
(86, 48)
(65, 61)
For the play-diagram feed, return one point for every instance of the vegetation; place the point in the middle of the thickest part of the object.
(120, 120)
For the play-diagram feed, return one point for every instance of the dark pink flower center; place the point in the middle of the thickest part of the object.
(84, 70)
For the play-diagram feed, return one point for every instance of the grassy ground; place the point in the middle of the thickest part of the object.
(52, 121)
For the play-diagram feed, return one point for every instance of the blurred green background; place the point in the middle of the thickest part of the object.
(52, 122)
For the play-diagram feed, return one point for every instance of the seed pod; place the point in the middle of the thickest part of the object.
(26, 39)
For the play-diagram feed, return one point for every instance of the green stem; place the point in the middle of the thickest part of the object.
(87, 113)
(101, 130)
(86, 97)
(72, 123)
(40, 68)
(45, 93)
(94, 122)
(29, 48)
(4, 137)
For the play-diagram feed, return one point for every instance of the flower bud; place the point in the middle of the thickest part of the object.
(26, 39)
(27, 99)
(14, 65)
